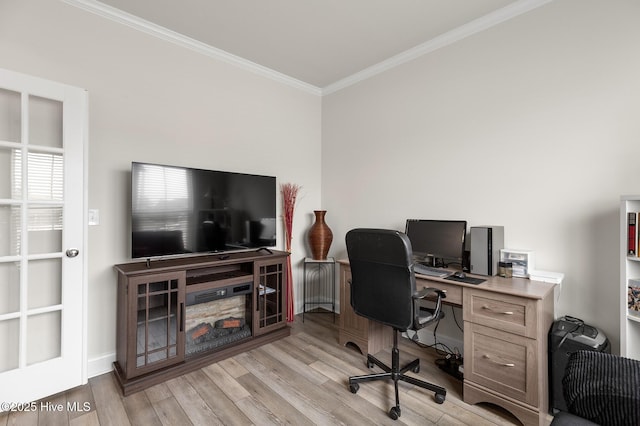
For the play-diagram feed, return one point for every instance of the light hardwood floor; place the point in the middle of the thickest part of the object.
(299, 380)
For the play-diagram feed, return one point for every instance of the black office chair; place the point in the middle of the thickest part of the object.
(383, 289)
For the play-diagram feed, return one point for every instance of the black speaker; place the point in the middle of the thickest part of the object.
(567, 335)
(466, 261)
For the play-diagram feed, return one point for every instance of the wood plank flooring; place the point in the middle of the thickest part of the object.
(299, 380)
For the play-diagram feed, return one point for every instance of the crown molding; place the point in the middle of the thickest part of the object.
(477, 25)
(487, 21)
(150, 28)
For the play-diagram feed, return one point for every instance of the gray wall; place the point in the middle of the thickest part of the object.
(153, 101)
(532, 124)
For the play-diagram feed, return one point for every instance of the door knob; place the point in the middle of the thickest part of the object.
(72, 252)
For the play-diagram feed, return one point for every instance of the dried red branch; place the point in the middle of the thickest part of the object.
(289, 194)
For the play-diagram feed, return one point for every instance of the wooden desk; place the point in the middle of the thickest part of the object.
(506, 321)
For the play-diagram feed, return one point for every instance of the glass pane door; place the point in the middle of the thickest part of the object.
(31, 220)
(157, 325)
(158, 307)
(270, 306)
(39, 312)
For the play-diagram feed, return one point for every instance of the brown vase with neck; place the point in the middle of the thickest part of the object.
(320, 236)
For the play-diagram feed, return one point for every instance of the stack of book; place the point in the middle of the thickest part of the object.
(632, 234)
(633, 295)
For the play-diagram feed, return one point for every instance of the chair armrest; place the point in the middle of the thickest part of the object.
(421, 294)
(432, 313)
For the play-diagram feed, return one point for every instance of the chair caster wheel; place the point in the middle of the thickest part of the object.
(370, 364)
(416, 369)
(394, 413)
(354, 387)
(439, 398)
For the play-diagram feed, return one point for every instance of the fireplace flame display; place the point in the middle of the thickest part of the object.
(216, 323)
(204, 336)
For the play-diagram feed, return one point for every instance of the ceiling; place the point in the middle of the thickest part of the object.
(321, 44)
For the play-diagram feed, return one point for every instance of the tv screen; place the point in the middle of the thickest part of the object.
(439, 241)
(180, 210)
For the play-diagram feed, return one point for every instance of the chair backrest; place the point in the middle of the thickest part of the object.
(382, 278)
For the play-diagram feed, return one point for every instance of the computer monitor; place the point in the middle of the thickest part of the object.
(437, 242)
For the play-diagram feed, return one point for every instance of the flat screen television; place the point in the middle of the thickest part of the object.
(437, 242)
(180, 210)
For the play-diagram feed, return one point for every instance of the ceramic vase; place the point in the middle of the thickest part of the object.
(320, 236)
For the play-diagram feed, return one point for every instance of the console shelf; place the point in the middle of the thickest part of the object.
(227, 273)
(217, 280)
(166, 305)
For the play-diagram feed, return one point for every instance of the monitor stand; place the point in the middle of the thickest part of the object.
(427, 261)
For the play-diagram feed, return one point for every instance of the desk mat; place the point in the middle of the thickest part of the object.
(466, 280)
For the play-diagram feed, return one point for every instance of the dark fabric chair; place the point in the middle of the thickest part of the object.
(600, 388)
(383, 289)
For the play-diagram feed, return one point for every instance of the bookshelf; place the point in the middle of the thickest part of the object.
(629, 271)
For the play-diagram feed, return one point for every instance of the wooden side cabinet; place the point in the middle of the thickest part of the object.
(177, 315)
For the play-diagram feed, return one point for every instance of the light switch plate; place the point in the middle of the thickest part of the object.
(94, 217)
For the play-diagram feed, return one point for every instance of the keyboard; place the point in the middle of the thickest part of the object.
(421, 269)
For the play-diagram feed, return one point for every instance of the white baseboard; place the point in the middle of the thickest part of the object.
(100, 365)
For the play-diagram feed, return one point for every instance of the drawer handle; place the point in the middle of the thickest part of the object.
(493, 310)
(504, 364)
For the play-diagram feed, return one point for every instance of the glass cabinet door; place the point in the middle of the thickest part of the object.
(156, 314)
(270, 307)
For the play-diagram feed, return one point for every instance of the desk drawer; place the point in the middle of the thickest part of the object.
(501, 361)
(454, 292)
(502, 311)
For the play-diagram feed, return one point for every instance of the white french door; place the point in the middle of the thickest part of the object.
(43, 133)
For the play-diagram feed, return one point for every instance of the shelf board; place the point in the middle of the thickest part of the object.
(266, 290)
(633, 318)
(227, 276)
(155, 314)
